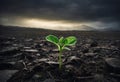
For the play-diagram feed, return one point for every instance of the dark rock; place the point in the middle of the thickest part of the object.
(19, 65)
(94, 44)
(116, 43)
(113, 65)
(70, 67)
(6, 74)
(11, 38)
(116, 53)
(55, 50)
(5, 44)
(96, 50)
(36, 76)
(115, 75)
(38, 46)
(73, 60)
(38, 68)
(45, 50)
(30, 57)
(11, 65)
(49, 80)
(17, 45)
(4, 66)
(85, 50)
(26, 47)
(17, 55)
(90, 54)
(98, 77)
(30, 50)
(43, 60)
(53, 63)
(38, 54)
(86, 46)
(84, 78)
(22, 75)
(29, 40)
(9, 51)
(39, 77)
(92, 63)
(48, 65)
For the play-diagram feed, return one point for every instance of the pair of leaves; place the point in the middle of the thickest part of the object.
(62, 42)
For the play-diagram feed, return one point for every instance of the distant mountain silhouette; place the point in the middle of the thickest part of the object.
(112, 29)
(19, 27)
(81, 28)
(88, 28)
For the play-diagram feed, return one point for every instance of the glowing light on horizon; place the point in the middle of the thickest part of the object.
(47, 24)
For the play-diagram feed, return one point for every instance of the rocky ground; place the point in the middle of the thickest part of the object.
(95, 58)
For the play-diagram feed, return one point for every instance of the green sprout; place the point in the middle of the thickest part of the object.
(62, 44)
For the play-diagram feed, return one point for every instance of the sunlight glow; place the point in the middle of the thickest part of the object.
(47, 24)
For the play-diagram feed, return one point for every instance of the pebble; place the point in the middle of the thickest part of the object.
(113, 65)
(6, 74)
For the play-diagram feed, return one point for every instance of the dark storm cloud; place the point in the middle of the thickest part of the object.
(71, 10)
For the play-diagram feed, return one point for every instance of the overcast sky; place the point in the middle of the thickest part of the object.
(61, 14)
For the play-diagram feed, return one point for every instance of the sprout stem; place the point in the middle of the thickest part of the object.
(60, 59)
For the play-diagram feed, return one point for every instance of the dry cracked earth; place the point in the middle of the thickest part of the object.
(95, 58)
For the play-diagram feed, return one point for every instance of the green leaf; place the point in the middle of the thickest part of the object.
(52, 39)
(70, 41)
(61, 40)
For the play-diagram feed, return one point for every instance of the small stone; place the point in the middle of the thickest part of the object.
(38, 54)
(115, 75)
(9, 50)
(49, 80)
(74, 60)
(98, 77)
(86, 46)
(46, 50)
(85, 50)
(29, 40)
(19, 65)
(15, 45)
(94, 44)
(6, 74)
(37, 76)
(38, 68)
(38, 46)
(27, 47)
(7, 43)
(96, 50)
(31, 50)
(113, 65)
(43, 60)
(55, 50)
(6, 66)
(52, 63)
(69, 67)
(90, 54)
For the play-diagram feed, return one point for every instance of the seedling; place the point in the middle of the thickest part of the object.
(62, 44)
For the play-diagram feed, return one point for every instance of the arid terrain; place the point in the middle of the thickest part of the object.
(25, 56)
